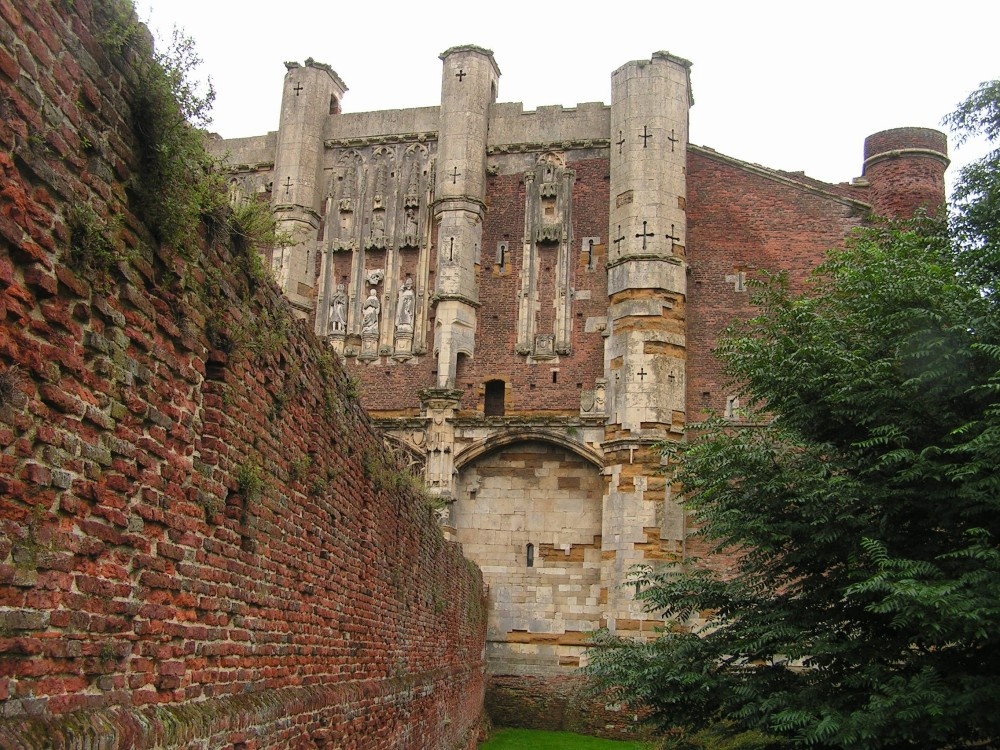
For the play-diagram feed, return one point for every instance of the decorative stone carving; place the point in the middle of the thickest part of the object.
(545, 346)
(412, 197)
(548, 191)
(548, 235)
(338, 312)
(369, 314)
(346, 203)
(376, 240)
(374, 277)
(592, 402)
(404, 307)
(369, 325)
(600, 388)
(379, 199)
(411, 229)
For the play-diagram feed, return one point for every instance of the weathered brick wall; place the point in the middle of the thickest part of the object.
(905, 169)
(749, 221)
(201, 544)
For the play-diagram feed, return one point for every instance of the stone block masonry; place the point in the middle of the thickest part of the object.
(202, 543)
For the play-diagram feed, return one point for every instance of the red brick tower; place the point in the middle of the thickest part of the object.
(905, 169)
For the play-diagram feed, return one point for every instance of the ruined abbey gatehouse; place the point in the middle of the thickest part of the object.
(210, 532)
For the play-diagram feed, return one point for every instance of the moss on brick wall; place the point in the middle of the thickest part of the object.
(199, 540)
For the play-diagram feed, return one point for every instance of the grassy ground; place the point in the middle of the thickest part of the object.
(529, 739)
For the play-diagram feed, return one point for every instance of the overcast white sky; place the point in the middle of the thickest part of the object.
(789, 85)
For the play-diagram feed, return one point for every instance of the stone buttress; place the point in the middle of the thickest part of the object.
(644, 356)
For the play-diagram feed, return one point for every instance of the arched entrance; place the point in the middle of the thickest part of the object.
(528, 512)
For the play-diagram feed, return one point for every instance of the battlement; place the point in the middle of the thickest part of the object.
(511, 124)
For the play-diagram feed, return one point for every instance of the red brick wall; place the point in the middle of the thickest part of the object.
(905, 170)
(152, 593)
(741, 219)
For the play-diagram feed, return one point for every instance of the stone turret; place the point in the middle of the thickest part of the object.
(645, 350)
(905, 170)
(468, 89)
(311, 93)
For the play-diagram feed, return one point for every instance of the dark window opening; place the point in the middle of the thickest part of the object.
(531, 555)
(493, 402)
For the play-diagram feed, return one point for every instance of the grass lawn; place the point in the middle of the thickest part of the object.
(529, 739)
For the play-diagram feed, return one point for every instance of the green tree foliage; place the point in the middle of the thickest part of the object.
(178, 184)
(861, 498)
(976, 202)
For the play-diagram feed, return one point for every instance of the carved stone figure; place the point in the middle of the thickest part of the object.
(338, 311)
(378, 224)
(379, 200)
(404, 307)
(410, 227)
(369, 314)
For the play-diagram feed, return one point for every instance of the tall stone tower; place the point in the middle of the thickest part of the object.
(311, 93)
(468, 88)
(469, 78)
(645, 352)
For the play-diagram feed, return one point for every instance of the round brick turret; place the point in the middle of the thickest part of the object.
(905, 171)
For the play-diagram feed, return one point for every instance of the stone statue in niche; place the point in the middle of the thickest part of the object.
(369, 314)
(347, 193)
(338, 311)
(404, 307)
(379, 198)
(411, 238)
(376, 237)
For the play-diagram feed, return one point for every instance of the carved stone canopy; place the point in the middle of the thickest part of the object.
(549, 234)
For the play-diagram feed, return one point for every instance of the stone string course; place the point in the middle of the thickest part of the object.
(198, 548)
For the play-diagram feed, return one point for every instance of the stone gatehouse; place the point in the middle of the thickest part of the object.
(529, 299)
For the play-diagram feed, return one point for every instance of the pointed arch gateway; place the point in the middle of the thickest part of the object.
(528, 512)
